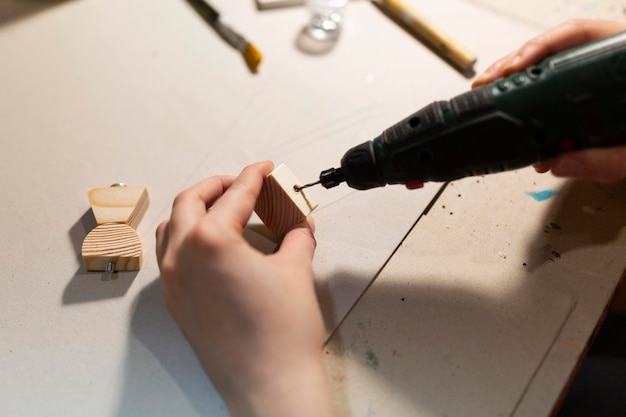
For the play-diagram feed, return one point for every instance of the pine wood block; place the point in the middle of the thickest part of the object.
(125, 204)
(114, 245)
(279, 205)
(117, 243)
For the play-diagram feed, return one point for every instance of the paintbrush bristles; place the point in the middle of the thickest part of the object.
(253, 57)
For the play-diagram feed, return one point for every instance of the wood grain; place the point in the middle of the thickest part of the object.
(118, 211)
(125, 204)
(279, 205)
(112, 242)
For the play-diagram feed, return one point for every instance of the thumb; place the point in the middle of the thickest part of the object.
(605, 165)
(299, 243)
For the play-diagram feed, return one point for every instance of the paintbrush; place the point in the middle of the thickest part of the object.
(435, 39)
(250, 53)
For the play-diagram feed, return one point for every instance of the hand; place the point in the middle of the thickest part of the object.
(607, 164)
(252, 319)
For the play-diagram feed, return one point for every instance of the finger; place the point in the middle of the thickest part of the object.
(542, 167)
(494, 71)
(605, 165)
(298, 245)
(311, 221)
(161, 240)
(191, 204)
(572, 33)
(236, 205)
(212, 188)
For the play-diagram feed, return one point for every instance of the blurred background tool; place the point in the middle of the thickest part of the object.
(250, 53)
(272, 4)
(431, 36)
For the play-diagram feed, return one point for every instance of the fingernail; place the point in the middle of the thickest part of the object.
(510, 67)
(541, 167)
(482, 77)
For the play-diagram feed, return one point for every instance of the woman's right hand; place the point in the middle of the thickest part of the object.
(606, 164)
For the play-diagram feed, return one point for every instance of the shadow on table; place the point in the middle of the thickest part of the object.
(162, 375)
(343, 282)
(582, 214)
(12, 10)
(414, 347)
(587, 214)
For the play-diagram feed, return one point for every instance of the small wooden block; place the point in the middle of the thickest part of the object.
(279, 205)
(125, 204)
(114, 245)
(117, 243)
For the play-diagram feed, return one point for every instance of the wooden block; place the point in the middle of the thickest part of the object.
(124, 204)
(279, 205)
(114, 243)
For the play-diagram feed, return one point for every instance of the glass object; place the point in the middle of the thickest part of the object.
(326, 18)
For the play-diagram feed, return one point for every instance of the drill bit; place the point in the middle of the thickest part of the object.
(301, 187)
(329, 178)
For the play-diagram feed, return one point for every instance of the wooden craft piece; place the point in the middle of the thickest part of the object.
(279, 205)
(118, 204)
(114, 245)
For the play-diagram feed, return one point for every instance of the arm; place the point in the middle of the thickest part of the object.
(252, 319)
(596, 164)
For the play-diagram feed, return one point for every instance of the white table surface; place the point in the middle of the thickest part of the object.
(100, 91)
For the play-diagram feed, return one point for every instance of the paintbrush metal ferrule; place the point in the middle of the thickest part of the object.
(205, 10)
(226, 31)
(230, 35)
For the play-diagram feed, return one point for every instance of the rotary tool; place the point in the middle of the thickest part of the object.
(570, 101)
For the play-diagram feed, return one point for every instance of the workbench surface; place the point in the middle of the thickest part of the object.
(480, 307)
